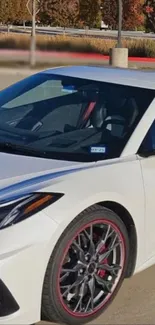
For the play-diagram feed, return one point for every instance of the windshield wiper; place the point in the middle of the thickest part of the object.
(16, 148)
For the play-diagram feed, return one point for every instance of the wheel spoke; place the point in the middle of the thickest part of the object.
(81, 252)
(78, 305)
(76, 268)
(67, 271)
(63, 277)
(90, 237)
(104, 238)
(81, 295)
(113, 269)
(84, 240)
(79, 240)
(106, 254)
(87, 306)
(104, 283)
(91, 285)
(114, 240)
(72, 286)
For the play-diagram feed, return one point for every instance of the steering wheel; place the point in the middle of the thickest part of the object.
(117, 122)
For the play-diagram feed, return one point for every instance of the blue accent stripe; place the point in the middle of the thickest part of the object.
(26, 187)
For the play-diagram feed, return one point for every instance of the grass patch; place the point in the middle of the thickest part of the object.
(137, 47)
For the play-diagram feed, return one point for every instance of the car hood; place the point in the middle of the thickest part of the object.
(21, 175)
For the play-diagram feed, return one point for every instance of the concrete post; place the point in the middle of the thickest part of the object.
(119, 57)
(33, 36)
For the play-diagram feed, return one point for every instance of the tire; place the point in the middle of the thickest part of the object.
(101, 220)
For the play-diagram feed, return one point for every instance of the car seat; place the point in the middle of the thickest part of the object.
(98, 115)
(120, 123)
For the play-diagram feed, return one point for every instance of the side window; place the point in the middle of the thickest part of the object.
(148, 143)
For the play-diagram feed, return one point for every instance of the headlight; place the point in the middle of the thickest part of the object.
(17, 211)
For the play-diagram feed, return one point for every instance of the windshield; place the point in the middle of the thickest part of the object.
(67, 118)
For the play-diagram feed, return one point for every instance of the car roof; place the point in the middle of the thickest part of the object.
(128, 77)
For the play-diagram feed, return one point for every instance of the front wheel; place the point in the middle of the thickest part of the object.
(87, 267)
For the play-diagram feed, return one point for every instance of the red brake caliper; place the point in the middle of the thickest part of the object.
(101, 273)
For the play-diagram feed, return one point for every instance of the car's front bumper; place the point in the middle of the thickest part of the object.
(24, 253)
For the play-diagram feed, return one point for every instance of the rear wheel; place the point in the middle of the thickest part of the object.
(87, 267)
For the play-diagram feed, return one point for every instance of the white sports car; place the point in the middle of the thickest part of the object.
(77, 184)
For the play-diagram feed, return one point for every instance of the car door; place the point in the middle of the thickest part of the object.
(147, 161)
